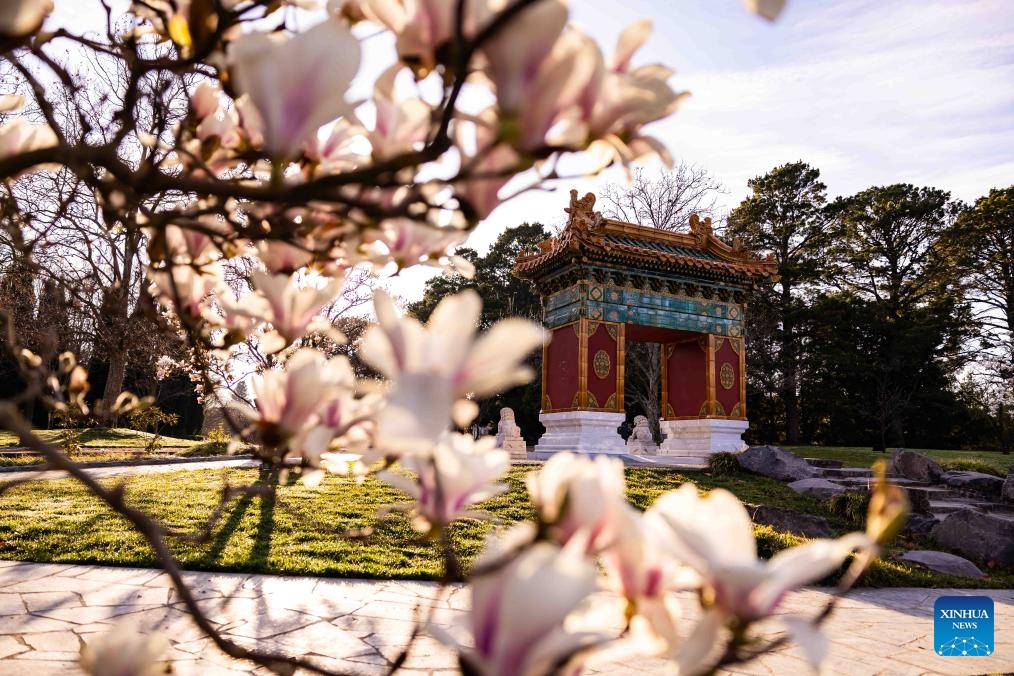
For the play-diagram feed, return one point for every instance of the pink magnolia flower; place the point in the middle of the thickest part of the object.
(769, 9)
(575, 494)
(433, 368)
(458, 473)
(407, 242)
(21, 18)
(297, 84)
(185, 289)
(400, 125)
(490, 165)
(283, 258)
(289, 402)
(340, 151)
(20, 136)
(290, 310)
(518, 612)
(713, 535)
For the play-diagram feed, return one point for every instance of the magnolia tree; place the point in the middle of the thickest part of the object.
(274, 167)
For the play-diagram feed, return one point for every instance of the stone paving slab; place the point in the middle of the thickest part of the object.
(48, 611)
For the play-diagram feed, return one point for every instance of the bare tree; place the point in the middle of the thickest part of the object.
(644, 382)
(665, 200)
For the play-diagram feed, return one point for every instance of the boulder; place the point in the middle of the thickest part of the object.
(1008, 486)
(919, 524)
(818, 488)
(774, 462)
(979, 482)
(913, 466)
(942, 562)
(918, 500)
(789, 520)
(977, 534)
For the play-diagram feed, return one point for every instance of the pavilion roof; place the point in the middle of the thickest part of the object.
(591, 238)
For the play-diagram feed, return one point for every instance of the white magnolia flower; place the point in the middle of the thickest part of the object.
(433, 368)
(185, 289)
(400, 125)
(458, 473)
(714, 536)
(518, 612)
(769, 9)
(124, 650)
(297, 84)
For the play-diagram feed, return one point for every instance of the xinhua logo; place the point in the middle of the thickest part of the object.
(963, 626)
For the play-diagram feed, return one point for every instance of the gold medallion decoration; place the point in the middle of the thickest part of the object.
(727, 376)
(601, 364)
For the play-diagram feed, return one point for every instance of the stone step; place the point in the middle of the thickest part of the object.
(936, 492)
(854, 482)
(831, 472)
(825, 463)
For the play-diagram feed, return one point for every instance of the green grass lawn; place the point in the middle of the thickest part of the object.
(103, 437)
(57, 521)
(993, 462)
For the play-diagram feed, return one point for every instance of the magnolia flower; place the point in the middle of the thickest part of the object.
(421, 26)
(576, 494)
(432, 368)
(338, 152)
(516, 55)
(458, 473)
(185, 289)
(21, 136)
(490, 165)
(518, 612)
(124, 650)
(21, 18)
(769, 9)
(713, 535)
(290, 310)
(298, 83)
(400, 125)
(408, 243)
(288, 402)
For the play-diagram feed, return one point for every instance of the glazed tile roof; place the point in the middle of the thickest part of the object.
(589, 237)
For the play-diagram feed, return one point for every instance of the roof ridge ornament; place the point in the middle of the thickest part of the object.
(701, 230)
(582, 212)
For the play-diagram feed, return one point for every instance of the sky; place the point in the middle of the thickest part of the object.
(869, 92)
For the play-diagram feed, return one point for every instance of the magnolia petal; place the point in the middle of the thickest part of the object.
(713, 531)
(630, 40)
(769, 9)
(491, 365)
(692, 657)
(464, 412)
(810, 638)
(794, 567)
(11, 103)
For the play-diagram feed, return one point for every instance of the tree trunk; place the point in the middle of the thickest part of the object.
(790, 370)
(114, 384)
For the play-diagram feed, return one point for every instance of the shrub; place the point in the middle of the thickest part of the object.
(971, 466)
(850, 507)
(723, 464)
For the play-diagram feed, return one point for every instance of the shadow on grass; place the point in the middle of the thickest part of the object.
(232, 527)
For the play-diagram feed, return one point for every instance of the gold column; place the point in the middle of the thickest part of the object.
(621, 365)
(582, 363)
(710, 375)
(665, 378)
(742, 377)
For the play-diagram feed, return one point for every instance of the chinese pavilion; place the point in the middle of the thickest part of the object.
(604, 283)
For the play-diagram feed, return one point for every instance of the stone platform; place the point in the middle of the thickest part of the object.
(48, 611)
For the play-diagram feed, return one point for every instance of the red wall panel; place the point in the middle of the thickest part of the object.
(727, 361)
(686, 370)
(561, 367)
(602, 388)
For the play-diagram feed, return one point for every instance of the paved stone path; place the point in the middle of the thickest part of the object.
(48, 611)
(130, 470)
